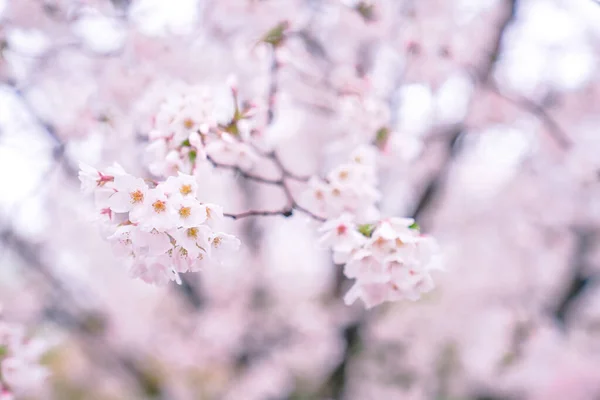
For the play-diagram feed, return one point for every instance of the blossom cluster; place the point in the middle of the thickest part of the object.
(161, 228)
(390, 260)
(20, 370)
(192, 126)
(348, 188)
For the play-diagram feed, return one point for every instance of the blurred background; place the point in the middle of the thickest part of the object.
(490, 111)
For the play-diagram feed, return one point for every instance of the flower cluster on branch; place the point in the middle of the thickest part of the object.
(390, 260)
(161, 228)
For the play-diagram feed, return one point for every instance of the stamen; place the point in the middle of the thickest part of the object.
(137, 196)
(185, 212)
(192, 232)
(159, 206)
(188, 123)
(185, 189)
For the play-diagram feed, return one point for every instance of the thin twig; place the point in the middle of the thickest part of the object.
(554, 129)
(273, 86)
(286, 212)
(243, 173)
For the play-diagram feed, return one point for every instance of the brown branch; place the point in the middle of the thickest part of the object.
(286, 212)
(243, 173)
(292, 203)
(285, 173)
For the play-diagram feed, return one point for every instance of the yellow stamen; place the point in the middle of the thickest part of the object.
(185, 212)
(185, 189)
(192, 232)
(159, 206)
(137, 196)
(188, 123)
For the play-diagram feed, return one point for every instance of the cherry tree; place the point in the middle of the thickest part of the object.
(322, 199)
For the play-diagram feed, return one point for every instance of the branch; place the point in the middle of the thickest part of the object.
(432, 189)
(485, 78)
(285, 173)
(554, 129)
(292, 203)
(497, 45)
(579, 280)
(285, 212)
(244, 174)
(273, 87)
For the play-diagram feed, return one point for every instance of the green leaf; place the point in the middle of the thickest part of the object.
(415, 226)
(3, 351)
(381, 137)
(366, 229)
(186, 143)
(276, 35)
(192, 155)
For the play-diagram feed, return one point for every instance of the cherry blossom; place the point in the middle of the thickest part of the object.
(349, 188)
(162, 230)
(389, 260)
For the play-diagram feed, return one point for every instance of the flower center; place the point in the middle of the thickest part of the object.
(192, 232)
(185, 212)
(319, 195)
(217, 241)
(399, 243)
(188, 123)
(159, 206)
(336, 192)
(341, 229)
(185, 189)
(343, 175)
(137, 196)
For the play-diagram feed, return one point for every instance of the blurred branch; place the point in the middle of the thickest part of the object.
(554, 129)
(58, 152)
(485, 78)
(63, 307)
(336, 384)
(579, 280)
(432, 189)
(510, 12)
